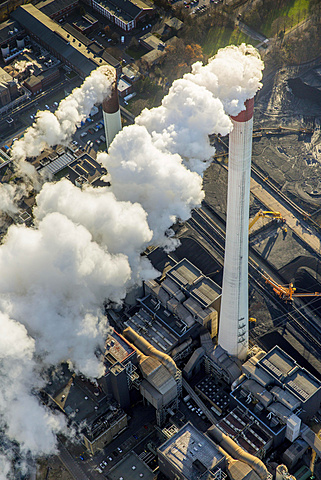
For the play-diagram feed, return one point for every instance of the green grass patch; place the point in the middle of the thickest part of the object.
(293, 13)
(71, 75)
(136, 54)
(219, 37)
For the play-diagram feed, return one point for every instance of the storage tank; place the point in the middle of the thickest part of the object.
(20, 43)
(5, 50)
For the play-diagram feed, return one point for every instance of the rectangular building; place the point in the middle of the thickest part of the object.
(123, 13)
(189, 454)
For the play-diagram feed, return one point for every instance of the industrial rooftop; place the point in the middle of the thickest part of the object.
(188, 450)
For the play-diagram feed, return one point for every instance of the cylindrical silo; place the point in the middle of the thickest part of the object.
(234, 317)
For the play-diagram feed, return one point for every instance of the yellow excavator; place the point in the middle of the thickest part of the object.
(275, 215)
(287, 293)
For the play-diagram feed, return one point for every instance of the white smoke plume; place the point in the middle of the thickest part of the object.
(234, 75)
(57, 128)
(156, 179)
(9, 195)
(23, 418)
(121, 227)
(85, 247)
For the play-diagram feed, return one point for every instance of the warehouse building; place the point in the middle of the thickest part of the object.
(57, 9)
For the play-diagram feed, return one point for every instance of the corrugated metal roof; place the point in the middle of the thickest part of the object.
(59, 164)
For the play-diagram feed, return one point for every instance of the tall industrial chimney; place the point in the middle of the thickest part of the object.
(111, 115)
(234, 317)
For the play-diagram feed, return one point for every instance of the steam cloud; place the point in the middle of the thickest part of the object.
(86, 247)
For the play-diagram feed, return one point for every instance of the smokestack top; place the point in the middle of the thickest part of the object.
(111, 104)
(246, 114)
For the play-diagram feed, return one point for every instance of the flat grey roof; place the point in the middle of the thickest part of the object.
(124, 469)
(303, 384)
(188, 446)
(117, 347)
(281, 366)
(58, 164)
(278, 362)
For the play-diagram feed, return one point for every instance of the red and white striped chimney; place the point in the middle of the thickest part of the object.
(111, 115)
(234, 317)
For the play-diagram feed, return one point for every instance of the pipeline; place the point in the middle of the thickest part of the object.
(181, 347)
(237, 452)
(148, 349)
(238, 381)
(230, 467)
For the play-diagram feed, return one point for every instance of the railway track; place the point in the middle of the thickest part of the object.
(297, 318)
(257, 175)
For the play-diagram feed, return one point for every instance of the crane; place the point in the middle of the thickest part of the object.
(287, 293)
(276, 215)
(313, 458)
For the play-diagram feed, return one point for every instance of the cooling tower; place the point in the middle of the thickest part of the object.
(111, 115)
(234, 317)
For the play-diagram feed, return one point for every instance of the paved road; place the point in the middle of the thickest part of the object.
(72, 466)
(199, 402)
(250, 32)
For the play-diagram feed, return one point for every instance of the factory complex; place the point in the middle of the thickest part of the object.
(181, 347)
(184, 392)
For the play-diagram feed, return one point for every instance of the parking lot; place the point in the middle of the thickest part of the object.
(197, 6)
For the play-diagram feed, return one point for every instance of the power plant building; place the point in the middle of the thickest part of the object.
(120, 360)
(99, 418)
(234, 316)
(161, 382)
(187, 295)
(279, 393)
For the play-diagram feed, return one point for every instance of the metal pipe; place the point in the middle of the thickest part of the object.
(237, 452)
(148, 349)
